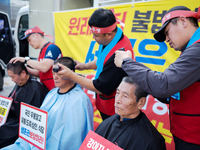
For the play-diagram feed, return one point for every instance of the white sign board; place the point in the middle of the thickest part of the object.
(33, 125)
(5, 104)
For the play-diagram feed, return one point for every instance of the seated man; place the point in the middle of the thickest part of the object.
(129, 128)
(70, 114)
(26, 90)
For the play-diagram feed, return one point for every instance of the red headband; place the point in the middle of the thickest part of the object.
(179, 13)
(34, 30)
(103, 30)
(107, 29)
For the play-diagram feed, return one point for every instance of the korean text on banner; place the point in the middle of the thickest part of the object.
(97, 142)
(5, 104)
(33, 125)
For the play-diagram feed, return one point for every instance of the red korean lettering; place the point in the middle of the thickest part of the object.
(85, 19)
(123, 17)
(118, 15)
(41, 140)
(1, 119)
(74, 23)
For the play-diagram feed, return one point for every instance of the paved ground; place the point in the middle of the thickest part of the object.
(7, 87)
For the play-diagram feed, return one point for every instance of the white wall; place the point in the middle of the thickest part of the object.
(41, 14)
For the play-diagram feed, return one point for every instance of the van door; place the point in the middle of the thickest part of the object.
(6, 44)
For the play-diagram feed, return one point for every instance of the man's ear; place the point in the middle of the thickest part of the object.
(23, 73)
(141, 102)
(184, 21)
(37, 35)
(109, 34)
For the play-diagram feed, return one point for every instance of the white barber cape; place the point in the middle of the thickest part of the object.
(70, 117)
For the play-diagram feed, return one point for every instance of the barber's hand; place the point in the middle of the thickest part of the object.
(79, 65)
(15, 59)
(64, 72)
(120, 55)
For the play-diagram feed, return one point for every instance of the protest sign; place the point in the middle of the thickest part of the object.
(33, 125)
(93, 141)
(5, 104)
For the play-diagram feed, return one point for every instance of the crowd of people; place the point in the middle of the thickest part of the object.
(121, 85)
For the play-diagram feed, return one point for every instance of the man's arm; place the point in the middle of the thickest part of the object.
(33, 72)
(89, 65)
(178, 76)
(67, 73)
(42, 66)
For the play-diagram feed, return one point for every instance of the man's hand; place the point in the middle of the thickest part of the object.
(85, 66)
(120, 55)
(15, 59)
(65, 72)
(79, 66)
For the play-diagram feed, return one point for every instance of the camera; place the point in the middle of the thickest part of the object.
(56, 68)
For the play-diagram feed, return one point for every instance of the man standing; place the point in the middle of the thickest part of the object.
(48, 54)
(129, 128)
(26, 90)
(180, 29)
(110, 38)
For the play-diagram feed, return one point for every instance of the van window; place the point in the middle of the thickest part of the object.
(23, 25)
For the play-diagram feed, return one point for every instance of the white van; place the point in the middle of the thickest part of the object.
(6, 45)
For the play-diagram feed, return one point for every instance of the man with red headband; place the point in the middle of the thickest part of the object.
(108, 77)
(180, 29)
(48, 54)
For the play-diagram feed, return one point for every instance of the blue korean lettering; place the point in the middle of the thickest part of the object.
(157, 53)
(25, 131)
